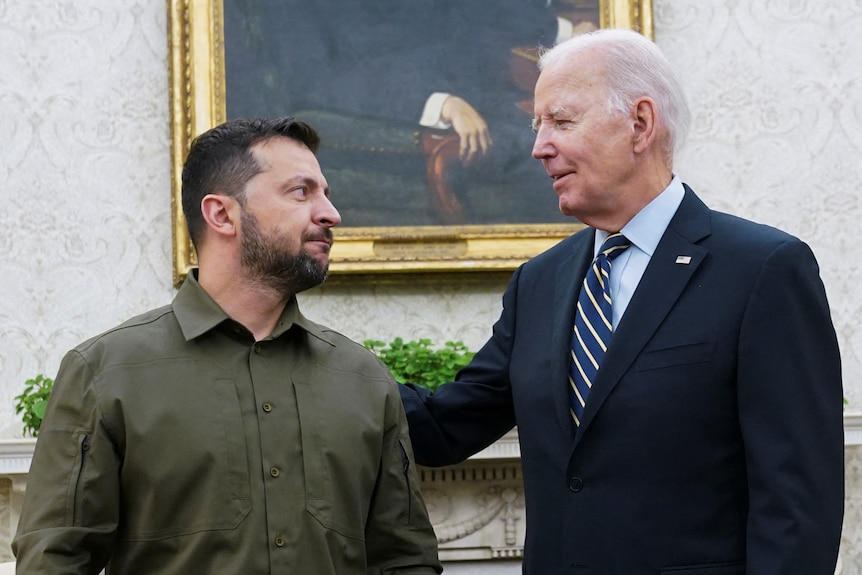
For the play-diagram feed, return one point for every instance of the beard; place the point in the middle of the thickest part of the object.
(271, 261)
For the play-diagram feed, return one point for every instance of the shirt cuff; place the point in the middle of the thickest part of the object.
(564, 30)
(431, 114)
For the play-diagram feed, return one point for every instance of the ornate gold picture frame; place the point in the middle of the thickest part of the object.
(198, 101)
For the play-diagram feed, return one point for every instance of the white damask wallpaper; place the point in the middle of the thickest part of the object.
(776, 87)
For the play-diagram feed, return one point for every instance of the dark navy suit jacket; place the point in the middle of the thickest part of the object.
(712, 440)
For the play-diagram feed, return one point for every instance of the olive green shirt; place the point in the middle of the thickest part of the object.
(175, 444)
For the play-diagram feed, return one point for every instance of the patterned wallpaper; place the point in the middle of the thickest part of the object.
(776, 87)
(85, 229)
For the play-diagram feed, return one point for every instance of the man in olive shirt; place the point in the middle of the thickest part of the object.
(226, 433)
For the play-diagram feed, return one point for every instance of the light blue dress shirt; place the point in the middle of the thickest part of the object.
(644, 231)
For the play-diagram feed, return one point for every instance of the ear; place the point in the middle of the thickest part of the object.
(645, 117)
(221, 213)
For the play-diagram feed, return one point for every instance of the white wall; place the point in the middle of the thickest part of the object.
(776, 87)
(84, 181)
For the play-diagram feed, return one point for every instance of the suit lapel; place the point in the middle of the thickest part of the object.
(569, 276)
(661, 285)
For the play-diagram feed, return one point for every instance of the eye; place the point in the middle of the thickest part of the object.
(299, 192)
(555, 122)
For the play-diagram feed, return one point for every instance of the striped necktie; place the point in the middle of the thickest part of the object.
(593, 327)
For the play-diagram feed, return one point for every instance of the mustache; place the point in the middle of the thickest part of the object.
(324, 234)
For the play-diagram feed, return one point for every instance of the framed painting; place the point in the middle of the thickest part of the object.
(423, 108)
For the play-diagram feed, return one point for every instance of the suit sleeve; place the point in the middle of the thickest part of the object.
(399, 536)
(790, 403)
(71, 506)
(464, 416)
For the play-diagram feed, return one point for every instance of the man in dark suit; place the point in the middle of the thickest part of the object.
(709, 440)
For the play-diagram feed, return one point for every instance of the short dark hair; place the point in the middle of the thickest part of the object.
(220, 161)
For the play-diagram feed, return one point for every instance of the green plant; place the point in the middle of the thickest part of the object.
(32, 403)
(418, 362)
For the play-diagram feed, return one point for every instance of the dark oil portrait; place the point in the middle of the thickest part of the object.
(423, 106)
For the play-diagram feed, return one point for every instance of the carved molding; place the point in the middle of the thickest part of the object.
(477, 508)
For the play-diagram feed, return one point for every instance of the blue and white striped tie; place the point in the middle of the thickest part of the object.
(593, 324)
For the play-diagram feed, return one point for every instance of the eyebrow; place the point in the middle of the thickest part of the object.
(556, 111)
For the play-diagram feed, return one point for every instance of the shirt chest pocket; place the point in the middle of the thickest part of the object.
(185, 469)
(341, 433)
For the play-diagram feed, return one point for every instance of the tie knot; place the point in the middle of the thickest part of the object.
(614, 245)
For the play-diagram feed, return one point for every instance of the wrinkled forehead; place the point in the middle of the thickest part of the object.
(284, 161)
(580, 68)
(566, 85)
(266, 149)
(282, 154)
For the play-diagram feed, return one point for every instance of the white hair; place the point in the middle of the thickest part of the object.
(634, 67)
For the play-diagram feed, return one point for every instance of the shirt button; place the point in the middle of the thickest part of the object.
(279, 541)
(274, 471)
(267, 406)
(257, 348)
(576, 484)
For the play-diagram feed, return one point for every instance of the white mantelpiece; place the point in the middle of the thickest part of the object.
(15, 456)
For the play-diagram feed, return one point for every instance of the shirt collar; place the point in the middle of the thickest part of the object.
(197, 313)
(645, 230)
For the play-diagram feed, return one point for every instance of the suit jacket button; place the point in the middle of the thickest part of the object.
(576, 484)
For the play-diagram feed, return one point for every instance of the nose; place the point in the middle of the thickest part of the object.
(542, 147)
(326, 215)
